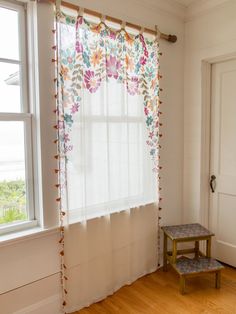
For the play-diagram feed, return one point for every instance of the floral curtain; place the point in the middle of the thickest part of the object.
(92, 54)
(108, 143)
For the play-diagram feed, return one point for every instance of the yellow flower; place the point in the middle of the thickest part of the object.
(96, 57)
(64, 73)
(129, 39)
(97, 29)
(129, 63)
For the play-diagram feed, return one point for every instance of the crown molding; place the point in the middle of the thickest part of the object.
(202, 7)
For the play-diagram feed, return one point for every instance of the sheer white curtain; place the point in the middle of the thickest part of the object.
(110, 168)
(107, 114)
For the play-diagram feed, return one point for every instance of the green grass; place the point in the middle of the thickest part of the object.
(12, 201)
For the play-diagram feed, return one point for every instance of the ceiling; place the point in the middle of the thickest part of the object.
(185, 2)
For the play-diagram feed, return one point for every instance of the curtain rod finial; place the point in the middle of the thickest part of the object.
(172, 38)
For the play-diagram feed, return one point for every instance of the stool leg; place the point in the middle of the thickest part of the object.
(196, 249)
(208, 248)
(218, 279)
(182, 284)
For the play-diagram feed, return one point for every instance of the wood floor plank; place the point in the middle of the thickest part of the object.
(158, 293)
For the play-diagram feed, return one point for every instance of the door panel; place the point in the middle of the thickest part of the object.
(223, 161)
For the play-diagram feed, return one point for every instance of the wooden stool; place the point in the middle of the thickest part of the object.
(185, 267)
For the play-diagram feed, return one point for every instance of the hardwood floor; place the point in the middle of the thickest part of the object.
(159, 293)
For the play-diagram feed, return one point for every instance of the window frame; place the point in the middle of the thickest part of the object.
(26, 116)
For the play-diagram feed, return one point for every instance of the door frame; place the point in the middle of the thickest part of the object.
(206, 66)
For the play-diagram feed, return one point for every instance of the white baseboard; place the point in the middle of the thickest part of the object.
(51, 305)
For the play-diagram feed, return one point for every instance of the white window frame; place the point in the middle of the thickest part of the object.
(26, 116)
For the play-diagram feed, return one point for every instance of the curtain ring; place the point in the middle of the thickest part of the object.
(158, 33)
(58, 7)
(123, 24)
(103, 18)
(81, 11)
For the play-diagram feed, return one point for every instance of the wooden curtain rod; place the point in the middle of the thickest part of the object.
(170, 38)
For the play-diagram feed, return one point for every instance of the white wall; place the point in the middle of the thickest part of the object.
(29, 269)
(209, 33)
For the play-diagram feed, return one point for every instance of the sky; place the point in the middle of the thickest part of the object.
(11, 133)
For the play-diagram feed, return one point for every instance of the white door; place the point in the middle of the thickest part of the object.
(222, 216)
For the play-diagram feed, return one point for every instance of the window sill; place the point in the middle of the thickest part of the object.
(24, 235)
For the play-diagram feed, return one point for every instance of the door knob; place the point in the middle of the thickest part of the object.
(212, 181)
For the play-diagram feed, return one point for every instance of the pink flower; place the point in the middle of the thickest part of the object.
(132, 85)
(142, 60)
(112, 67)
(79, 22)
(91, 82)
(112, 35)
(66, 138)
(61, 124)
(146, 111)
(75, 108)
(79, 47)
(151, 134)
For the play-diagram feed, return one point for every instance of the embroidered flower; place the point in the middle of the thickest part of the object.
(64, 72)
(68, 119)
(79, 22)
(152, 151)
(97, 29)
(79, 47)
(91, 82)
(96, 57)
(151, 134)
(67, 58)
(112, 35)
(129, 39)
(112, 67)
(86, 59)
(66, 138)
(75, 108)
(132, 85)
(146, 111)
(150, 73)
(142, 61)
(149, 120)
(129, 63)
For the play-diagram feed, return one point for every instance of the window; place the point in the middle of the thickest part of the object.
(16, 175)
(110, 169)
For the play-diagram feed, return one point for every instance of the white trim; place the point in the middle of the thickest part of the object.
(24, 116)
(51, 303)
(205, 143)
(206, 134)
(12, 61)
(11, 116)
(17, 226)
(34, 106)
(29, 179)
(26, 235)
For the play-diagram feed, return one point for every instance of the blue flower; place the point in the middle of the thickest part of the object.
(149, 120)
(68, 119)
(152, 151)
(86, 59)
(150, 73)
(68, 58)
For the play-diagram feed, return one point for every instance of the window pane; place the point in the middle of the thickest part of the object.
(9, 31)
(9, 88)
(12, 172)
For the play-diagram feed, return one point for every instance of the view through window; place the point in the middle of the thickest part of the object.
(15, 121)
